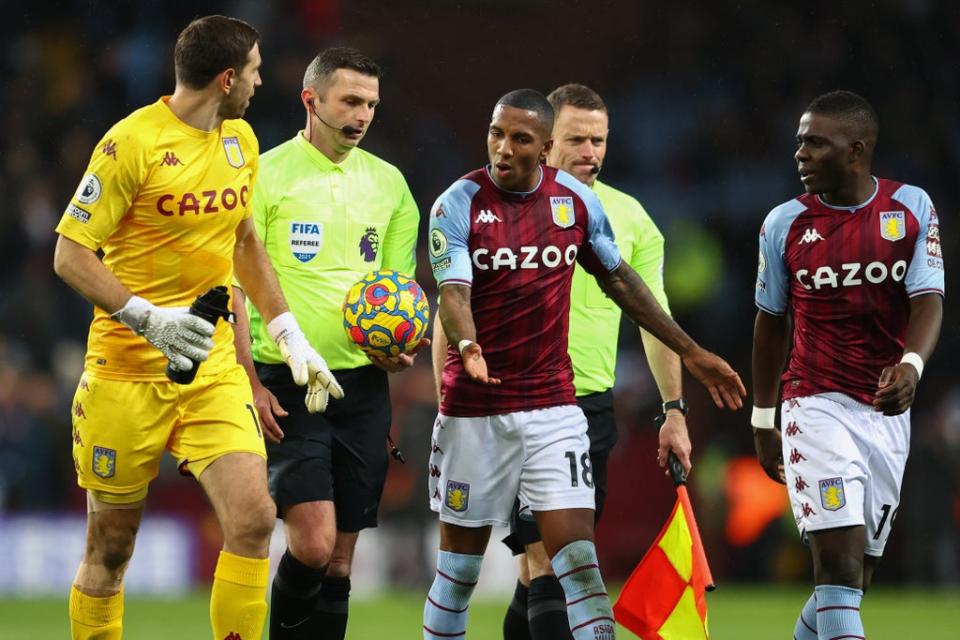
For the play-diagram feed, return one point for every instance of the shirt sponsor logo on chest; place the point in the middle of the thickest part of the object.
(853, 275)
(305, 240)
(528, 257)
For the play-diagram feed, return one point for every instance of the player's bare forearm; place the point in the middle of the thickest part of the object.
(897, 386)
(438, 353)
(625, 287)
(771, 341)
(628, 290)
(923, 330)
(80, 268)
(664, 365)
(256, 274)
(456, 314)
(241, 333)
(266, 403)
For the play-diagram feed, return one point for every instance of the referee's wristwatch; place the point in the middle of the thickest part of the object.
(679, 404)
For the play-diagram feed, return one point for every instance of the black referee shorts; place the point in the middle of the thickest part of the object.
(338, 455)
(602, 431)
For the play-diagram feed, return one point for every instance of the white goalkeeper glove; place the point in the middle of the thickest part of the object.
(178, 334)
(308, 367)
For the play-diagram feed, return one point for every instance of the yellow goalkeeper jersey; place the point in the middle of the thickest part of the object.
(163, 201)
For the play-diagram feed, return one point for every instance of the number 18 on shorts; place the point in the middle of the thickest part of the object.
(479, 465)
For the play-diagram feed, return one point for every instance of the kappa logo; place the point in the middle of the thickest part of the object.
(487, 216)
(170, 159)
(810, 236)
(110, 149)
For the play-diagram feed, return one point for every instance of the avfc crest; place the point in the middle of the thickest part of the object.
(832, 496)
(231, 147)
(104, 462)
(893, 225)
(562, 209)
(458, 496)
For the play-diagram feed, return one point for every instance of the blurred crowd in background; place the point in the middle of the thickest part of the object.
(704, 100)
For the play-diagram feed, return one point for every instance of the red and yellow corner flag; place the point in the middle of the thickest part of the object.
(665, 596)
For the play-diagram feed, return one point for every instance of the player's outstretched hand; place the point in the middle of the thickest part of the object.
(178, 334)
(770, 453)
(674, 437)
(896, 390)
(475, 365)
(401, 362)
(717, 376)
(269, 409)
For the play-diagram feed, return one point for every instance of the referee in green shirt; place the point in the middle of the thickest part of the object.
(328, 213)
(579, 146)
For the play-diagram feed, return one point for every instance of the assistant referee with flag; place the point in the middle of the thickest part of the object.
(328, 213)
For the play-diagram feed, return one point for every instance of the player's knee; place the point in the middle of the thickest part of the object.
(113, 548)
(252, 526)
(314, 553)
(840, 568)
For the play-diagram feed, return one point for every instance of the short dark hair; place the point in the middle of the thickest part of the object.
(209, 46)
(530, 100)
(849, 107)
(322, 68)
(576, 95)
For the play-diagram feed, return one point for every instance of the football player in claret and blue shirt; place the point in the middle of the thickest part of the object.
(503, 243)
(856, 261)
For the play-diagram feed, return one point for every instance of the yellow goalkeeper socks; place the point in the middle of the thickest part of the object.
(95, 618)
(238, 604)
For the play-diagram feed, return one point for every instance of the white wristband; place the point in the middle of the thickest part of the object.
(134, 314)
(914, 359)
(282, 325)
(463, 345)
(763, 418)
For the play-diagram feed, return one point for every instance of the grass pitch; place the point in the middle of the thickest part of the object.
(736, 613)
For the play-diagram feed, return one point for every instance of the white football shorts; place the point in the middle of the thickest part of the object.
(844, 464)
(478, 466)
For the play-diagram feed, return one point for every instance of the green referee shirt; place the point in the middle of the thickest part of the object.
(324, 226)
(595, 318)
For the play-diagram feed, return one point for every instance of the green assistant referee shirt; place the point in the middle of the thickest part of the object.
(595, 318)
(324, 226)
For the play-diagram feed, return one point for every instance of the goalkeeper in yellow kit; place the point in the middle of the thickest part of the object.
(166, 198)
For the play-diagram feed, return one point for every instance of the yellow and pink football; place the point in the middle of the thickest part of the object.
(386, 313)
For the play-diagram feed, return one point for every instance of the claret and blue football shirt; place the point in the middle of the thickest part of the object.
(517, 252)
(847, 274)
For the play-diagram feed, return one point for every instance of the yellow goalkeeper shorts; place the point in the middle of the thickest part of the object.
(121, 428)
